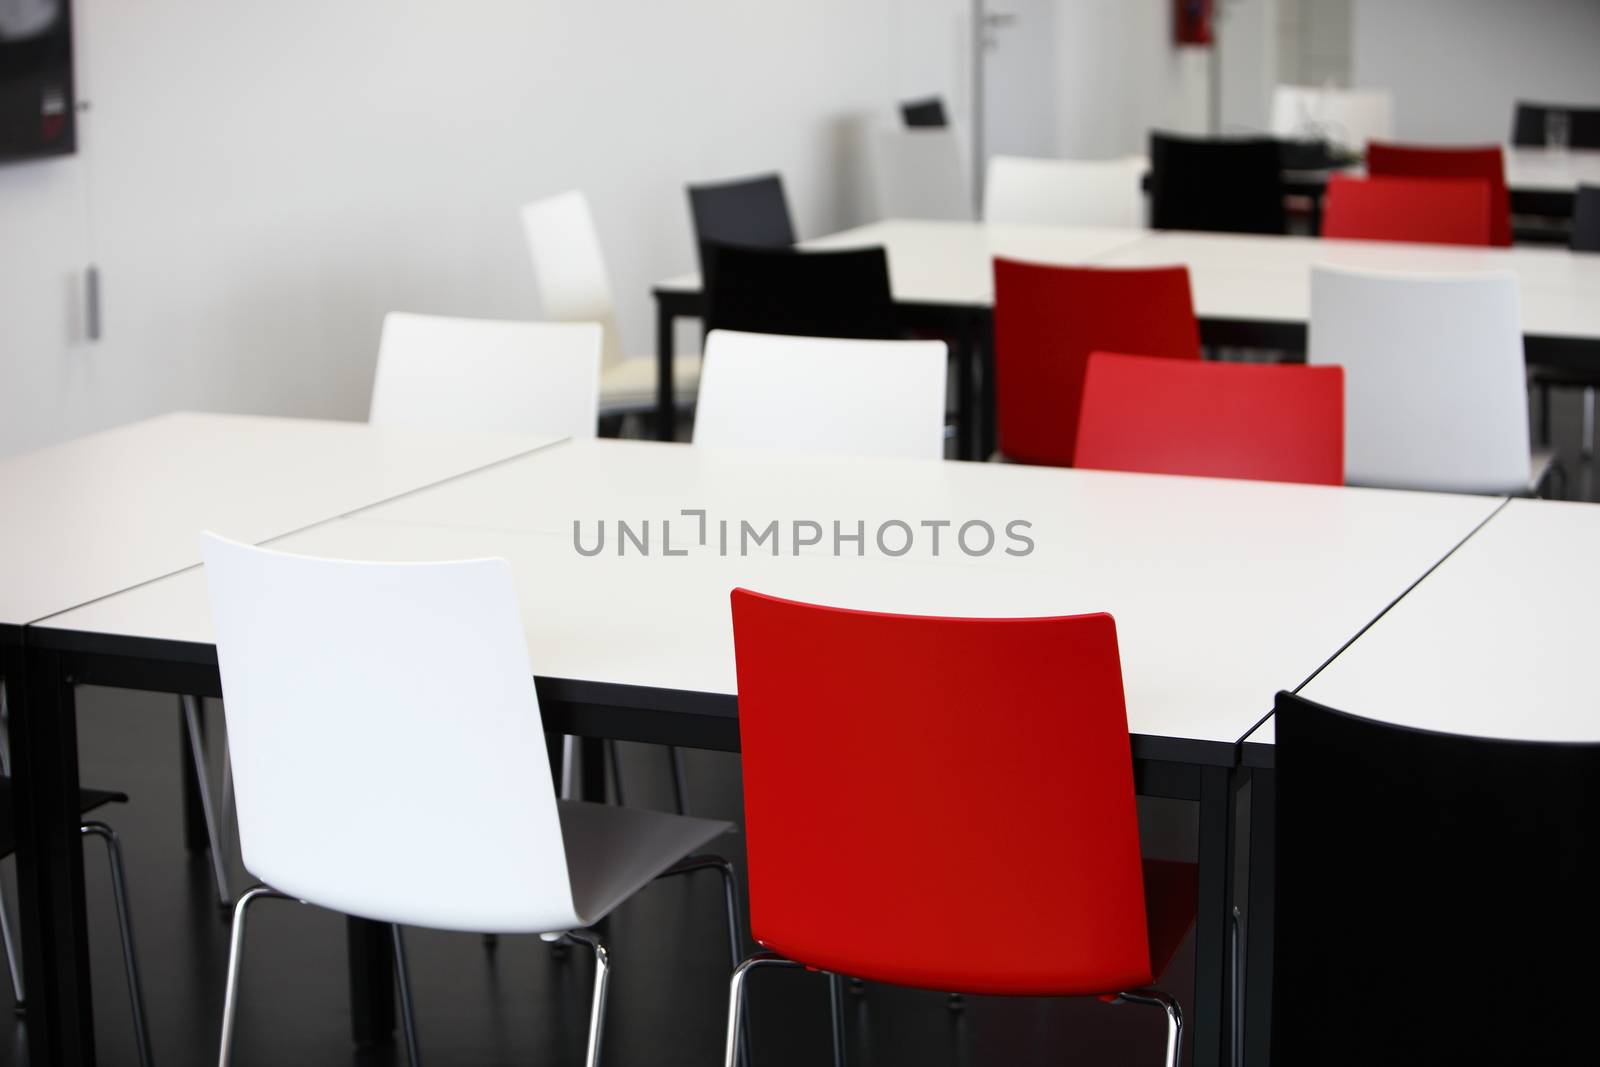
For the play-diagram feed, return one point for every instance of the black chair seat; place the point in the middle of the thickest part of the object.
(88, 800)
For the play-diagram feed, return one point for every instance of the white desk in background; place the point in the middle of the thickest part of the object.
(98, 515)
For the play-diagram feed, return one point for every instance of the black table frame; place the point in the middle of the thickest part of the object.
(50, 663)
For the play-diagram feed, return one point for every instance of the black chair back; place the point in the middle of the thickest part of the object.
(1586, 219)
(753, 212)
(1226, 185)
(810, 294)
(1438, 896)
(927, 112)
(1529, 128)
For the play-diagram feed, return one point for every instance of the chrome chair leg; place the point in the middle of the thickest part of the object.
(230, 1000)
(836, 1010)
(569, 760)
(402, 971)
(119, 892)
(602, 975)
(680, 779)
(736, 1023)
(615, 764)
(5, 732)
(1156, 999)
(13, 961)
(1586, 449)
(197, 747)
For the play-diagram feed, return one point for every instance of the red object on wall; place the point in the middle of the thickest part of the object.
(1191, 23)
(916, 787)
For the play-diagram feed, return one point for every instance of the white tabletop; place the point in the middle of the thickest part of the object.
(1498, 642)
(1224, 592)
(947, 262)
(100, 513)
(1542, 170)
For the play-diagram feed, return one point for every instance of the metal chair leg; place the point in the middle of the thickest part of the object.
(1586, 449)
(230, 1000)
(616, 771)
(5, 732)
(13, 961)
(1156, 999)
(736, 1023)
(602, 975)
(402, 970)
(197, 746)
(836, 1010)
(119, 892)
(680, 779)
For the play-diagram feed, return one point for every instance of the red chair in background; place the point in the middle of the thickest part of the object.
(1447, 211)
(1048, 319)
(1261, 421)
(1416, 161)
(884, 844)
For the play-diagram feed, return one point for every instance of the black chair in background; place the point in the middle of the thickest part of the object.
(1530, 128)
(927, 112)
(810, 294)
(1544, 378)
(1224, 185)
(753, 212)
(1586, 219)
(1436, 895)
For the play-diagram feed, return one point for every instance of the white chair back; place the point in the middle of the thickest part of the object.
(570, 268)
(1346, 117)
(482, 374)
(1435, 396)
(1065, 192)
(822, 396)
(921, 173)
(388, 753)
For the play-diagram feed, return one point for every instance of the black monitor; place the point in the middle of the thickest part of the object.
(36, 97)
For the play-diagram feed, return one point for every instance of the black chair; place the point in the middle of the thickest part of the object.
(927, 112)
(1225, 185)
(1543, 377)
(810, 294)
(1586, 219)
(1438, 896)
(88, 800)
(752, 212)
(1583, 125)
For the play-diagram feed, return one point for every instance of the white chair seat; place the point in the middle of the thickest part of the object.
(632, 382)
(613, 852)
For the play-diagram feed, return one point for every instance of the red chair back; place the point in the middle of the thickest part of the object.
(1415, 161)
(941, 803)
(1266, 422)
(1048, 319)
(1447, 211)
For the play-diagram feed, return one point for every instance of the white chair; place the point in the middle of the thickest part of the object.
(570, 271)
(822, 396)
(1348, 118)
(481, 374)
(1065, 192)
(921, 174)
(1433, 370)
(390, 761)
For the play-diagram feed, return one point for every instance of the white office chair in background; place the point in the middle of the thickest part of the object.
(1348, 118)
(1434, 378)
(485, 375)
(822, 396)
(921, 173)
(574, 286)
(1065, 192)
(390, 762)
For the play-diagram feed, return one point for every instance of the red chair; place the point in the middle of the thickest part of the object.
(1447, 211)
(1415, 161)
(1266, 422)
(884, 844)
(1046, 322)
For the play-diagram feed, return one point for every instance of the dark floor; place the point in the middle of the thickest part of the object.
(520, 1003)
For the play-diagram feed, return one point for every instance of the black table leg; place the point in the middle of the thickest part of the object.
(195, 837)
(55, 936)
(966, 404)
(666, 352)
(592, 769)
(988, 412)
(1212, 942)
(371, 951)
(1259, 917)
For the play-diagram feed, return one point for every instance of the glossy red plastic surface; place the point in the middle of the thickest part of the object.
(1451, 211)
(944, 803)
(1048, 319)
(1486, 163)
(1263, 421)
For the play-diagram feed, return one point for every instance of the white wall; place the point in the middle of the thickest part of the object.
(261, 182)
(1119, 75)
(1457, 67)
